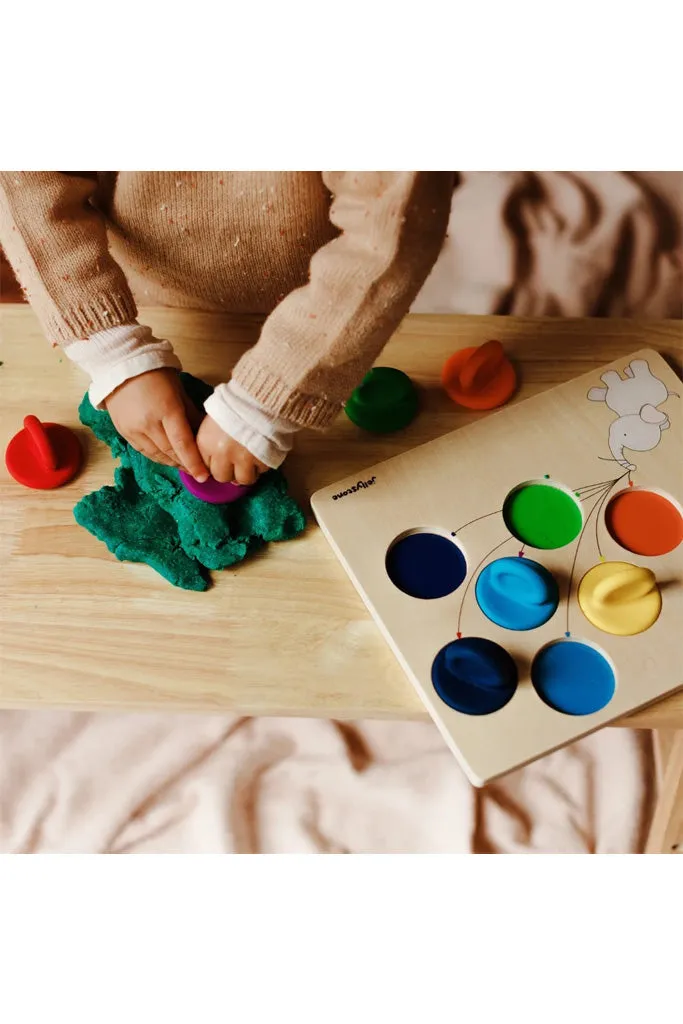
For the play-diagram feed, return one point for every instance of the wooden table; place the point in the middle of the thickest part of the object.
(284, 634)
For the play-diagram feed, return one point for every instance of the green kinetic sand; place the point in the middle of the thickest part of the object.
(148, 516)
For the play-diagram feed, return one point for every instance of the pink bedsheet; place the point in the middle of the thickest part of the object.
(162, 783)
(562, 243)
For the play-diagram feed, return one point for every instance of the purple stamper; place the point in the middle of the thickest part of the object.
(212, 491)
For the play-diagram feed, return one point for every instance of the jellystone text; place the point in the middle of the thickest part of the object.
(360, 486)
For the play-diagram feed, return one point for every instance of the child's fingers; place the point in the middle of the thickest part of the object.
(246, 472)
(159, 438)
(146, 446)
(222, 469)
(182, 441)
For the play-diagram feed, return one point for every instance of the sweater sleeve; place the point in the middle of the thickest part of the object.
(317, 345)
(56, 242)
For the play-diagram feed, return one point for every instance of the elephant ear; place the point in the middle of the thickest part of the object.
(597, 394)
(649, 414)
(640, 368)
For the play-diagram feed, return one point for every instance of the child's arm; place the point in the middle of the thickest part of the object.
(56, 241)
(57, 244)
(317, 345)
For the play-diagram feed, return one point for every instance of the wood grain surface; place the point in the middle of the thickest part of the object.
(666, 830)
(284, 633)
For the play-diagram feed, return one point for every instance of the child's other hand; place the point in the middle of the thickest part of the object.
(156, 417)
(227, 459)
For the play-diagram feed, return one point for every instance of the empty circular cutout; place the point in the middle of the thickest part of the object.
(517, 593)
(620, 598)
(644, 522)
(542, 515)
(425, 565)
(474, 675)
(573, 677)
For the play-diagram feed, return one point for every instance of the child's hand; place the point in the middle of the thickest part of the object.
(155, 416)
(227, 459)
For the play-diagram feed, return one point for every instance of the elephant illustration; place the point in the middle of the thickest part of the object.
(634, 398)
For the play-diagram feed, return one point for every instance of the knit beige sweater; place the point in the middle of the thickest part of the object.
(333, 260)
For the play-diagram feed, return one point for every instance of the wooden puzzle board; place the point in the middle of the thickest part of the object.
(464, 478)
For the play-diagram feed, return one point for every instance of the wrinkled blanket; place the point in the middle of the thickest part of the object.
(165, 783)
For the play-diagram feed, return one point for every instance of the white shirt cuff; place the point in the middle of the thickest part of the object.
(116, 355)
(269, 438)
